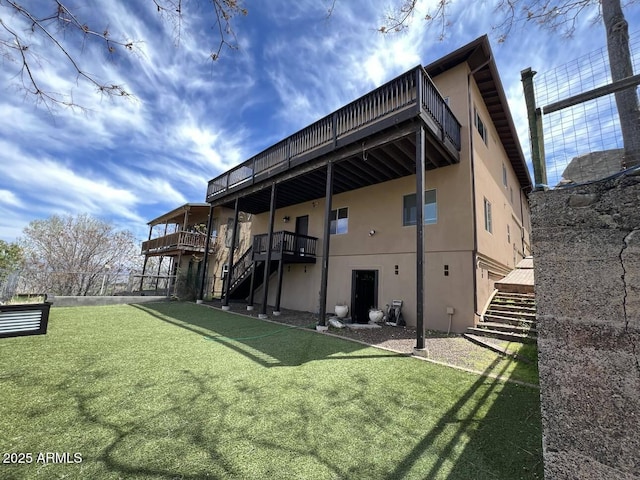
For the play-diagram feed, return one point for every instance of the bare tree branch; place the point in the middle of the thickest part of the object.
(15, 46)
(63, 17)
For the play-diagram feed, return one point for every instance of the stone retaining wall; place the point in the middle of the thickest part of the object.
(586, 244)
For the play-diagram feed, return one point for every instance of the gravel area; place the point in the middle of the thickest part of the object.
(450, 349)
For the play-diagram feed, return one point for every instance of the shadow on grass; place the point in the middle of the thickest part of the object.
(269, 344)
(505, 414)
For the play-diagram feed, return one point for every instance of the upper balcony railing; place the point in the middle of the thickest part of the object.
(181, 240)
(391, 98)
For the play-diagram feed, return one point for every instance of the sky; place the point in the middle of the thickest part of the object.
(129, 160)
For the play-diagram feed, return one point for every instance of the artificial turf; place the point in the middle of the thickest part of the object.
(175, 390)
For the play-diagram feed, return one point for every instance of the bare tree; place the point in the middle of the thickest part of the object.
(61, 26)
(71, 255)
(559, 16)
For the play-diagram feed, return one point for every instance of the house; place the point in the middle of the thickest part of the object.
(336, 201)
(178, 240)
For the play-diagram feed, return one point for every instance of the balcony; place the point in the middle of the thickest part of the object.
(288, 246)
(399, 102)
(182, 241)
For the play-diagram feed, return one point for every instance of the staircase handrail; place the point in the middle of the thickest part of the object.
(240, 268)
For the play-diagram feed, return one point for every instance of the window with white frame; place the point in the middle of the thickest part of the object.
(505, 180)
(480, 126)
(430, 208)
(339, 221)
(488, 226)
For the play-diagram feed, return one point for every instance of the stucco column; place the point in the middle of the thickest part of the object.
(322, 311)
(267, 263)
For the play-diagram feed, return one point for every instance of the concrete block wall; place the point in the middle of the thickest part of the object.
(586, 245)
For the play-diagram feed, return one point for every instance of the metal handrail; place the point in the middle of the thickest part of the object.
(242, 266)
(287, 243)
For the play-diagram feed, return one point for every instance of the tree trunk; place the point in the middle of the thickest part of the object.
(617, 30)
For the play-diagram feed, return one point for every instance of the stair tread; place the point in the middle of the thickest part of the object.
(508, 318)
(511, 301)
(511, 314)
(494, 325)
(510, 294)
(511, 306)
(499, 333)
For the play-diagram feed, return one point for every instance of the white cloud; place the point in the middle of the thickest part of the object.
(10, 199)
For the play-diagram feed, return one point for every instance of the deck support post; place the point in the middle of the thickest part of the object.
(146, 259)
(254, 265)
(267, 263)
(227, 280)
(205, 260)
(420, 244)
(322, 311)
(276, 310)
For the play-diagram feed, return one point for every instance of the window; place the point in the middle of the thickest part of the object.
(339, 221)
(504, 176)
(430, 208)
(511, 194)
(487, 216)
(508, 234)
(482, 129)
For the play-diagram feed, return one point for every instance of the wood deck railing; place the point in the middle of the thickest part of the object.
(398, 95)
(179, 240)
(287, 243)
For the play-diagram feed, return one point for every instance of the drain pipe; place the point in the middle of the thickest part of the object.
(473, 184)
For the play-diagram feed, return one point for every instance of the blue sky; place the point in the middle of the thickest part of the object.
(130, 160)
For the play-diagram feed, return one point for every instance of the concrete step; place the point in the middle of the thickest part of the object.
(483, 342)
(514, 301)
(505, 327)
(509, 307)
(509, 320)
(516, 295)
(511, 314)
(506, 336)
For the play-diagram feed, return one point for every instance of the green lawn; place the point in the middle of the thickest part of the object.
(186, 392)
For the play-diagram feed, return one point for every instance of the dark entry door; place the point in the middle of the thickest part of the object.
(364, 294)
(302, 228)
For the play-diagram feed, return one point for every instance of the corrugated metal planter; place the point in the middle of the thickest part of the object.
(26, 319)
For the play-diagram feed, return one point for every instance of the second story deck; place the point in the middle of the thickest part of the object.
(175, 243)
(404, 100)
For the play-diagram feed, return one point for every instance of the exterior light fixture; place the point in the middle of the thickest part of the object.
(286, 219)
(372, 233)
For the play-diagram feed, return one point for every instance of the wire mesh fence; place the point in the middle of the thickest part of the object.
(25, 284)
(582, 142)
(29, 283)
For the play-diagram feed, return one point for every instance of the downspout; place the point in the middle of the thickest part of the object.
(522, 221)
(473, 185)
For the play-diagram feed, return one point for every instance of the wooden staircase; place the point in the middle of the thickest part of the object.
(509, 317)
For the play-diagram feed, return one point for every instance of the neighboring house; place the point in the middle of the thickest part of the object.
(179, 238)
(338, 200)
